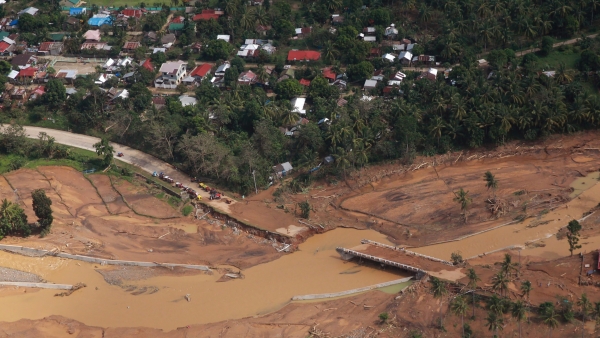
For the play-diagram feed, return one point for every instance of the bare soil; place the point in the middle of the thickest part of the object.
(94, 220)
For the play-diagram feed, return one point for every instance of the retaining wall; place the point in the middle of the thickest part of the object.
(101, 261)
(353, 291)
(38, 285)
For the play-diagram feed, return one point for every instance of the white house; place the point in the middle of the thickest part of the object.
(225, 38)
(171, 74)
(405, 57)
(391, 31)
(389, 57)
(187, 100)
(298, 105)
(222, 68)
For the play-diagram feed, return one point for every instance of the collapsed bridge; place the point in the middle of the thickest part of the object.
(398, 257)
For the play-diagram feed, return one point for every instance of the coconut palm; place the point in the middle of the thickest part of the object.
(261, 16)
(586, 307)
(462, 197)
(490, 180)
(526, 289)
(459, 307)
(550, 318)
(494, 322)
(507, 266)
(473, 279)
(500, 282)
(518, 311)
(439, 289)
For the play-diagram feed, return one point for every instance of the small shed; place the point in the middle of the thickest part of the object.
(282, 169)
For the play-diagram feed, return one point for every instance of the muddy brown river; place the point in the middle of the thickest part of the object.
(315, 268)
(586, 196)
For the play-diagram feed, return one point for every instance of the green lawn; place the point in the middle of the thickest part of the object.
(552, 61)
(130, 3)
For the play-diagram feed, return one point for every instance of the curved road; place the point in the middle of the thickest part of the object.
(132, 156)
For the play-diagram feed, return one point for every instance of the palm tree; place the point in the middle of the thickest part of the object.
(494, 322)
(586, 306)
(439, 289)
(462, 197)
(329, 52)
(247, 20)
(490, 180)
(473, 279)
(549, 317)
(333, 5)
(232, 7)
(261, 16)
(518, 311)
(459, 307)
(500, 282)
(507, 265)
(526, 289)
(564, 75)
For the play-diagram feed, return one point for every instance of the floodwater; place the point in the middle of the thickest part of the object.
(586, 196)
(315, 268)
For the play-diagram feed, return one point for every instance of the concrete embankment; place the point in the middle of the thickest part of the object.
(38, 285)
(40, 252)
(353, 291)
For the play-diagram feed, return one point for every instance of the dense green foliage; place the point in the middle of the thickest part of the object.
(42, 206)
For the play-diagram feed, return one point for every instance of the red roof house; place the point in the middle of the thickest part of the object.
(302, 55)
(132, 13)
(207, 14)
(148, 65)
(39, 90)
(28, 72)
(178, 19)
(201, 70)
(305, 82)
(329, 74)
(4, 46)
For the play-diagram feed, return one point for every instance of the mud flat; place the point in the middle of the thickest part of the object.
(315, 268)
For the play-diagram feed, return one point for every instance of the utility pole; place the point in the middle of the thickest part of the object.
(254, 177)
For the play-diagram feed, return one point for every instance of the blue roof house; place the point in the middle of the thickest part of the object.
(100, 20)
(74, 11)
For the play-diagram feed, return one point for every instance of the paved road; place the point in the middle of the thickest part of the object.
(132, 156)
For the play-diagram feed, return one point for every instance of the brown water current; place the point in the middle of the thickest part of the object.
(586, 196)
(315, 268)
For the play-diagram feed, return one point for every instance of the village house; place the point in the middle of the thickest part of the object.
(329, 74)
(262, 30)
(282, 169)
(247, 78)
(51, 48)
(337, 19)
(147, 64)
(298, 105)
(303, 55)
(7, 46)
(92, 35)
(176, 28)
(255, 2)
(222, 68)
(430, 75)
(370, 84)
(67, 75)
(132, 13)
(224, 37)
(391, 32)
(37, 92)
(131, 46)
(29, 10)
(159, 102)
(76, 11)
(389, 57)
(198, 74)
(23, 60)
(303, 32)
(71, 23)
(369, 31)
(99, 20)
(151, 36)
(171, 74)
(168, 40)
(27, 75)
(405, 57)
(187, 100)
(207, 14)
